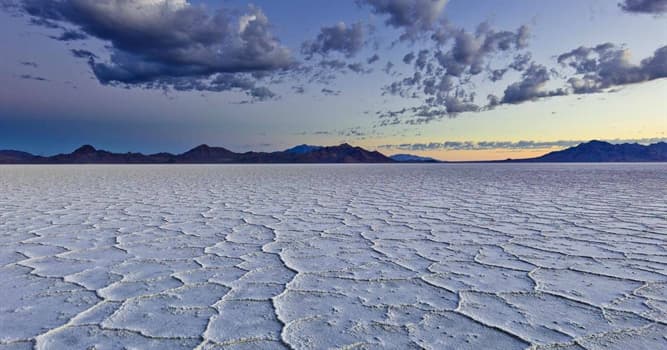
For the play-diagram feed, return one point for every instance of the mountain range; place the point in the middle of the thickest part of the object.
(593, 151)
(600, 151)
(203, 154)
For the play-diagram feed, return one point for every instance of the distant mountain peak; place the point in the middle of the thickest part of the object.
(602, 151)
(85, 149)
(302, 149)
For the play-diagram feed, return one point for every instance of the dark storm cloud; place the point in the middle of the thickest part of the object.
(644, 6)
(342, 38)
(412, 16)
(173, 43)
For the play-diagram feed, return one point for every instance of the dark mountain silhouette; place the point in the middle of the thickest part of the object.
(302, 149)
(15, 157)
(88, 154)
(593, 151)
(600, 151)
(206, 154)
(344, 153)
(411, 158)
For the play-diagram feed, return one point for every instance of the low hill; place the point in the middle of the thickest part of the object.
(411, 158)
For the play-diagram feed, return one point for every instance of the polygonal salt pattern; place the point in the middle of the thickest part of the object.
(521, 256)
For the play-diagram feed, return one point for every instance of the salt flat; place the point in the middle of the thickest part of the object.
(334, 256)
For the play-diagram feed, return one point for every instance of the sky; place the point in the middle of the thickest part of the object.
(454, 80)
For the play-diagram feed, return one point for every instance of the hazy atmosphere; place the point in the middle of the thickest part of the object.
(455, 80)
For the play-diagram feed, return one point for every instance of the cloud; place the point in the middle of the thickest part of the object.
(348, 40)
(521, 62)
(454, 105)
(409, 57)
(300, 90)
(352, 132)
(330, 92)
(443, 77)
(531, 86)
(358, 68)
(504, 145)
(162, 43)
(29, 64)
(388, 68)
(333, 64)
(79, 53)
(70, 35)
(412, 116)
(32, 77)
(225, 82)
(607, 65)
(373, 59)
(414, 17)
(471, 51)
(644, 6)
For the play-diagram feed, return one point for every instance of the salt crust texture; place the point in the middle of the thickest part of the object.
(347, 257)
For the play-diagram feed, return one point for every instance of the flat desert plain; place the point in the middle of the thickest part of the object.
(444, 256)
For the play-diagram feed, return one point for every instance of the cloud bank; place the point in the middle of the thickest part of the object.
(607, 65)
(503, 145)
(180, 46)
(169, 43)
(443, 78)
(644, 6)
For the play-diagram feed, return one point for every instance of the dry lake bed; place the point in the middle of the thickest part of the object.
(466, 256)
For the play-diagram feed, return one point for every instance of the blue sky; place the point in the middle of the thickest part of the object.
(161, 94)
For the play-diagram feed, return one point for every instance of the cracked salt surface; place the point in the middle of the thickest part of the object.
(334, 256)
